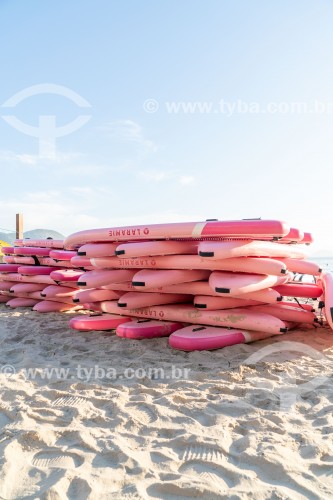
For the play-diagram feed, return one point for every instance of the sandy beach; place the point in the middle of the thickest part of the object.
(109, 425)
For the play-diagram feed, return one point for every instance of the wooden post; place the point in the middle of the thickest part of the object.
(19, 226)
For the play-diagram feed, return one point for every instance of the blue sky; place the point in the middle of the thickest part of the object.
(127, 165)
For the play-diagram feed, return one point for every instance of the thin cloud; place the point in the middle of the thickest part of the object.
(128, 131)
(186, 179)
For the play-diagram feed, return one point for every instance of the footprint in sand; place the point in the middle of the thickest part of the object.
(142, 413)
(179, 491)
(208, 463)
(56, 459)
(69, 401)
(209, 474)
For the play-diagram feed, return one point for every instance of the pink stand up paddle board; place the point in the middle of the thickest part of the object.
(147, 278)
(37, 251)
(267, 295)
(185, 313)
(95, 295)
(9, 268)
(35, 270)
(149, 248)
(294, 236)
(27, 287)
(238, 264)
(46, 306)
(22, 302)
(302, 266)
(238, 283)
(248, 248)
(327, 281)
(301, 290)
(307, 239)
(253, 229)
(94, 250)
(147, 329)
(132, 300)
(8, 250)
(57, 291)
(45, 243)
(213, 303)
(102, 322)
(62, 254)
(5, 286)
(64, 275)
(199, 338)
(287, 313)
(96, 279)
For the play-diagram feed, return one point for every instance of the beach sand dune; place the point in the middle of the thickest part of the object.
(102, 417)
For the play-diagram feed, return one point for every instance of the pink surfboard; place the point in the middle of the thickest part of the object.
(70, 275)
(101, 322)
(214, 303)
(161, 247)
(94, 250)
(3, 299)
(302, 290)
(147, 329)
(238, 264)
(52, 291)
(239, 283)
(22, 302)
(27, 287)
(62, 254)
(200, 337)
(96, 279)
(38, 251)
(46, 306)
(95, 295)
(148, 278)
(132, 300)
(253, 229)
(248, 248)
(185, 313)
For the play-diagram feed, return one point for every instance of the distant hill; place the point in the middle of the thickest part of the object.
(7, 237)
(39, 234)
(42, 234)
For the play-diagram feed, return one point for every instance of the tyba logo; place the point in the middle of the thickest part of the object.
(47, 131)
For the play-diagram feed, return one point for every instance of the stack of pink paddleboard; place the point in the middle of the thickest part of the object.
(206, 284)
(39, 274)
